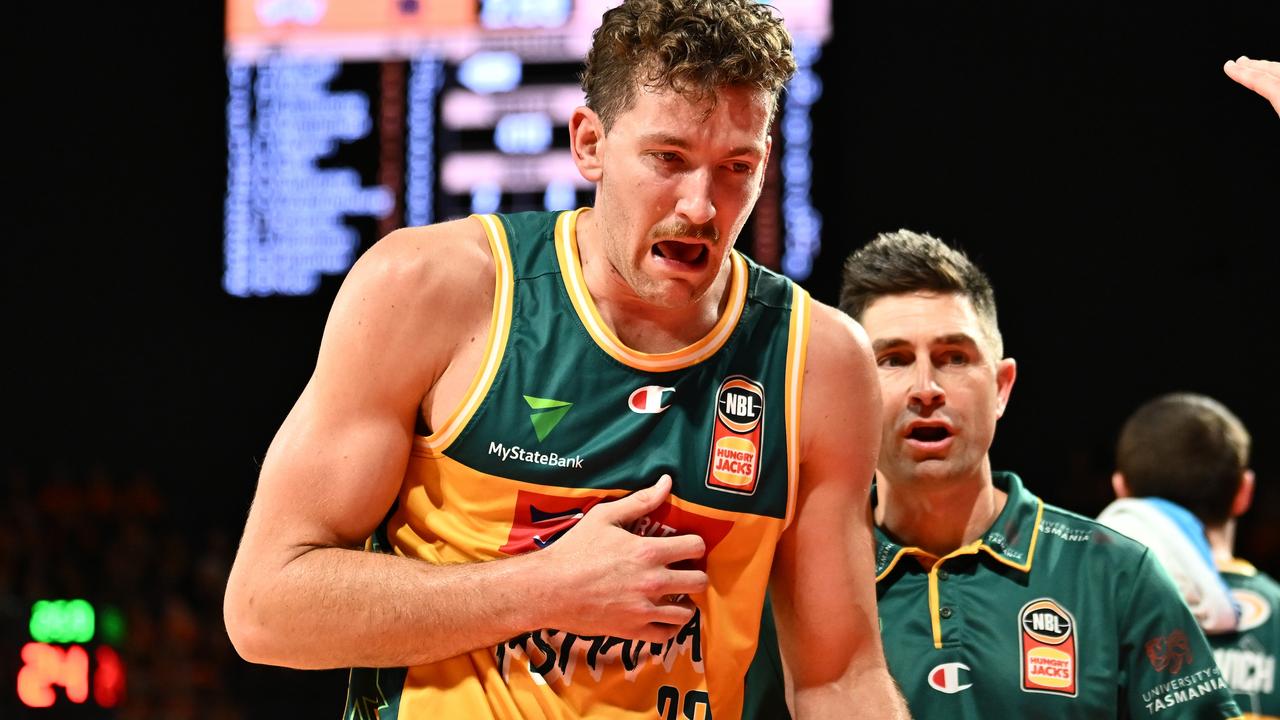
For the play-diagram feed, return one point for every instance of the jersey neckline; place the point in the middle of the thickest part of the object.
(566, 241)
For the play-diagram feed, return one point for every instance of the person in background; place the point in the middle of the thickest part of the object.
(992, 603)
(1182, 478)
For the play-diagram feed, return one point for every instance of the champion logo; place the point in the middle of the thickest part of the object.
(945, 678)
(650, 399)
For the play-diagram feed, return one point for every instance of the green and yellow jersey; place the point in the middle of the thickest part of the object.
(1047, 615)
(1247, 657)
(562, 415)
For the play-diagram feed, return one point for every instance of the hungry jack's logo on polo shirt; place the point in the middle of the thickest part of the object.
(1048, 640)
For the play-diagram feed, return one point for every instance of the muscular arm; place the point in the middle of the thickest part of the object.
(823, 579)
(301, 594)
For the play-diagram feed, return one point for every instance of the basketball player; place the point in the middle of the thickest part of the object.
(1185, 458)
(577, 446)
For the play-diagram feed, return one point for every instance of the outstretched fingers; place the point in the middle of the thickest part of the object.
(1260, 76)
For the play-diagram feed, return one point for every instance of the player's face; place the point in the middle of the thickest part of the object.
(677, 181)
(943, 391)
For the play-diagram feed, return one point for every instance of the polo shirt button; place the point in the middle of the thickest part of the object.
(945, 613)
(943, 574)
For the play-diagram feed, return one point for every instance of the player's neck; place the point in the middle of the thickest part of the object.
(1222, 541)
(938, 515)
(640, 324)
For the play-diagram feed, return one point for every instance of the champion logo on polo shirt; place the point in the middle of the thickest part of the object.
(1048, 638)
(650, 399)
(945, 678)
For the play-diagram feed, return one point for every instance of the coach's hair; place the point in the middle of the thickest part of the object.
(691, 46)
(1188, 449)
(904, 262)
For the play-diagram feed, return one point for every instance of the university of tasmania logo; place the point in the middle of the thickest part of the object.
(1049, 654)
(738, 427)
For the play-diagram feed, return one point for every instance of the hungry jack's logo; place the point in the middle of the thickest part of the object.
(734, 465)
(1048, 662)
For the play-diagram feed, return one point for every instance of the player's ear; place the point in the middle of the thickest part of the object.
(1006, 373)
(586, 133)
(1244, 494)
(1119, 486)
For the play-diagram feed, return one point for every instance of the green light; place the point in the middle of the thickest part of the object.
(111, 625)
(61, 621)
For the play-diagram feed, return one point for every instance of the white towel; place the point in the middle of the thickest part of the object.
(1176, 537)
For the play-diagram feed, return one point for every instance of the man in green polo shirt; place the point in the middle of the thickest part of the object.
(993, 604)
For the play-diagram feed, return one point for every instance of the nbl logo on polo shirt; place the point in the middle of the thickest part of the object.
(737, 430)
(1048, 634)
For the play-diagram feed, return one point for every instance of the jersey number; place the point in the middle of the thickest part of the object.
(697, 704)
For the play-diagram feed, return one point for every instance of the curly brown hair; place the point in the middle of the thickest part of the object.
(690, 46)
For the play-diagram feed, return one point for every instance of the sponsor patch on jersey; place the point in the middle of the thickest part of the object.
(542, 519)
(945, 678)
(1254, 609)
(1049, 653)
(1170, 652)
(738, 427)
(650, 399)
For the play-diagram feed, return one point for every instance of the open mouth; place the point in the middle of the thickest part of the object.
(689, 254)
(929, 434)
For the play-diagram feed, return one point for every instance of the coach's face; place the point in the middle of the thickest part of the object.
(943, 390)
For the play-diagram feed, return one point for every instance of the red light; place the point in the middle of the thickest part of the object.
(108, 681)
(45, 666)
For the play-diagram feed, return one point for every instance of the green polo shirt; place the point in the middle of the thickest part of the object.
(1048, 615)
(1248, 656)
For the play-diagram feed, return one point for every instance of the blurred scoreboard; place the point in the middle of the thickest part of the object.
(347, 119)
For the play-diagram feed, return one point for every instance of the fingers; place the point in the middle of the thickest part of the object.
(673, 549)
(1260, 76)
(637, 504)
(1267, 66)
(666, 619)
(684, 582)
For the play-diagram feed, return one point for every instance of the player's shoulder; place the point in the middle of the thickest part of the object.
(424, 268)
(836, 339)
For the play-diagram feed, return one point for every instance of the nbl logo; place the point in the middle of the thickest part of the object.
(740, 404)
(736, 435)
(1046, 624)
(1049, 652)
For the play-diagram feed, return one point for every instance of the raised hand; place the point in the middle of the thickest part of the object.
(611, 582)
(1260, 76)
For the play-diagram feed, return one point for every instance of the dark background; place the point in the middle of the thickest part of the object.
(1120, 190)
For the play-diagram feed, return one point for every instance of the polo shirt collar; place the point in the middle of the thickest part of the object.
(1011, 539)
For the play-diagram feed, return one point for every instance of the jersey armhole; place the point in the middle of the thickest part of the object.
(495, 346)
(797, 348)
